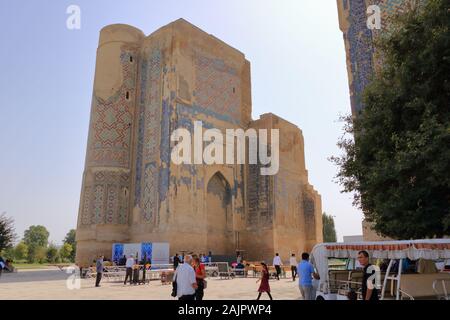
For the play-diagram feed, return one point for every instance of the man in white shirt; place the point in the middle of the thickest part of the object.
(277, 264)
(129, 271)
(185, 279)
(293, 263)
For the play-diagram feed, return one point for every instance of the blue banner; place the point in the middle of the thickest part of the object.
(117, 252)
(146, 252)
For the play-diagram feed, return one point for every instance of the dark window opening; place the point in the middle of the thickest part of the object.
(127, 96)
(131, 58)
(234, 90)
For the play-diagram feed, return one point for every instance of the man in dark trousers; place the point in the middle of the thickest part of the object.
(99, 269)
(369, 290)
(277, 264)
(176, 261)
(129, 269)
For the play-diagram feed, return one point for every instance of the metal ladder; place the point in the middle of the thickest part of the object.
(394, 278)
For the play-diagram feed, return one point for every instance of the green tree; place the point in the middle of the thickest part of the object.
(36, 235)
(8, 254)
(39, 255)
(396, 152)
(70, 239)
(329, 230)
(7, 234)
(65, 252)
(21, 251)
(36, 238)
(52, 254)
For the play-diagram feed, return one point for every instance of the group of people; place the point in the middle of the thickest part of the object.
(307, 274)
(304, 270)
(177, 259)
(189, 279)
(131, 269)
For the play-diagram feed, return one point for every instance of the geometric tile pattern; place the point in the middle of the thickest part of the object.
(111, 203)
(98, 202)
(260, 211)
(111, 123)
(359, 39)
(106, 200)
(85, 216)
(150, 196)
(309, 214)
(149, 135)
(124, 196)
(217, 87)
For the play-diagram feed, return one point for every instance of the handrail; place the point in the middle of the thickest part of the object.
(444, 288)
(406, 294)
(386, 277)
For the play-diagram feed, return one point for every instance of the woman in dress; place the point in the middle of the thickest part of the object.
(264, 286)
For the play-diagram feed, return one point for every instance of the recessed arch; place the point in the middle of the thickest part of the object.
(219, 215)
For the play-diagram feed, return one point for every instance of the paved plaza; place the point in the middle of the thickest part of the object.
(51, 284)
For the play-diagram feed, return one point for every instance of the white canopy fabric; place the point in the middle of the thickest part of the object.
(431, 249)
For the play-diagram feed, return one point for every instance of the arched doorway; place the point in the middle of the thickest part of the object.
(219, 216)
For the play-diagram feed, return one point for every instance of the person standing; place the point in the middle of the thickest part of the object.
(277, 264)
(293, 263)
(238, 258)
(176, 261)
(306, 272)
(123, 261)
(186, 282)
(99, 269)
(129, 269)
(209, 257)
(200, 275)
(369, 290)
(264, 286)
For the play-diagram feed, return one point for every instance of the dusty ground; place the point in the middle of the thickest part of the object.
(51, 284)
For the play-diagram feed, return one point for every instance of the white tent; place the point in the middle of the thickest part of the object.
(431, 249)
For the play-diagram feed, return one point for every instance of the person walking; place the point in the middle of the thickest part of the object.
(277, 264)
(293, 263)
(306, 273)
(99, 269)
(129, 269)
(264, 286)
(369, 290)
(186, 283)
(200, 275)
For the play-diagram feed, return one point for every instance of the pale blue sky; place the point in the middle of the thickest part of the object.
(46, 75)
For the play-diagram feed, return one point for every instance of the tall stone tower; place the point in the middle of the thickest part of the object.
(363, 60)
(105, 205)
(146, 87)
(362, 57)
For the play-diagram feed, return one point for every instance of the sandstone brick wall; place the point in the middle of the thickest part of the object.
(145, 88)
